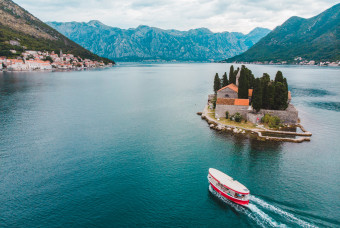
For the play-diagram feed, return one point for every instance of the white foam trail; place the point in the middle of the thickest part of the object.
(281, 212)
(270, 221)
(258, 216)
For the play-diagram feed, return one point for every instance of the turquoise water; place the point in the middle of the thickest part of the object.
(124, 147)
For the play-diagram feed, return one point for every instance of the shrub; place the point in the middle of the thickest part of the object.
(237, 117)
(272, 121)
(266, 118)
(226, 114)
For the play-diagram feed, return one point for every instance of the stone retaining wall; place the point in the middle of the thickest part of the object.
(288, 116)
(232, 109)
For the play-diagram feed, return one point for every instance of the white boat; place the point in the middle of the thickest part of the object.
(228, 187)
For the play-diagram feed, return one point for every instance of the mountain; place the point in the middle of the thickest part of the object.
(20, 30)
(149, 43)
(316, 38)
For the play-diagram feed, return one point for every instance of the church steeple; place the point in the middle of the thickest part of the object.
(238, 76)
(61, 53)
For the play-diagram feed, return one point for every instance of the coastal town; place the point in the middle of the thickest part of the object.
(297, 61)
(44, 60)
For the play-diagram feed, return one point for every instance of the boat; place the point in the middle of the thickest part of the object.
(227, 187)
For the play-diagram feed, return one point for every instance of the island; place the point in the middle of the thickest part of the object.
(260, 106)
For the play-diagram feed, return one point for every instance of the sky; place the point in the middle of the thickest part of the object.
(216, 15)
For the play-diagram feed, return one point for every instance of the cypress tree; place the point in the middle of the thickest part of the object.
(251, 78)
(232, 75)
(243, 84)
(217, 83)
(265, 79)
(286, 87)
(257, 95)
(279, 77)
(271, 95)
(280, 99)
(225, 79)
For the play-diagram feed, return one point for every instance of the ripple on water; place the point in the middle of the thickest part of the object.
(310, 92)
(331, 105)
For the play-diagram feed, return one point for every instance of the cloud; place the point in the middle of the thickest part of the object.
(217, 15)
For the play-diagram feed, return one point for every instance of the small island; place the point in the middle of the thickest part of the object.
(260, 106)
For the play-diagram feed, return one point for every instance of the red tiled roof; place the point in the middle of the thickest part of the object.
(250, 92)
(232, 101)
(230, 86)
(244, 102)
(225, 101)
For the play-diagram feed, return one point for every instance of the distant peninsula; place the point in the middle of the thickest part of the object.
(146, 43)
(299, 41)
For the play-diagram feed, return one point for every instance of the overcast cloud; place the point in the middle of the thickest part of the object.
(216, 15)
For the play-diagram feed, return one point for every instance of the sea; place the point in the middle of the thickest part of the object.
(124, 147)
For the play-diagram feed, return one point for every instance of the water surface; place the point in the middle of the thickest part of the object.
(124, 147)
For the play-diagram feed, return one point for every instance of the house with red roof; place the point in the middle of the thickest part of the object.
(227, 100)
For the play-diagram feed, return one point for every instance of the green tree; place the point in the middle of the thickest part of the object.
(265, 79)
(243, 84)
(232, 75)
(237, 117)
(250, 77)
(257, 95)
(279, 77)
(225, 79)
(280, 98)
(271, 95)
(217, 83)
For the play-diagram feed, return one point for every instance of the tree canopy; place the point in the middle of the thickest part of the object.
(225, 81)
(243, 84)
(257, 95)
(217, 83)
(232, 75)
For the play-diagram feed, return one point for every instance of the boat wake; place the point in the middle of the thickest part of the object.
(255, 211)
(290, 217)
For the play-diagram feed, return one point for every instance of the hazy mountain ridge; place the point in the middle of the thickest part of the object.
(150, 43)
(19, 25)
(316, 38)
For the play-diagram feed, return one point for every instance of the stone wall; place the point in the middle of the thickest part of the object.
(232, 109)
(288, 116)
(254, 117)
(227, 93)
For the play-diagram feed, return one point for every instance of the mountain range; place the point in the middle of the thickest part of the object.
(150, 43)
(316, 38)
(20, 30)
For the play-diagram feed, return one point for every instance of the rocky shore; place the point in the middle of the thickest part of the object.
(258, 131)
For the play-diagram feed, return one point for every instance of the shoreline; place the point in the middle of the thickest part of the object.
(58, 69)
(236, 129)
